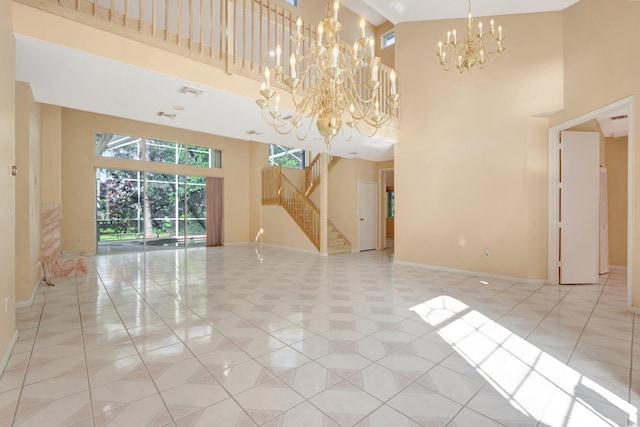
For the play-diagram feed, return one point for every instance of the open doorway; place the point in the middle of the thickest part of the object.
(387, 208)
(614, 123)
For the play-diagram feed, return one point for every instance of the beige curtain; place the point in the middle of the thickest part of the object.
(215, 209)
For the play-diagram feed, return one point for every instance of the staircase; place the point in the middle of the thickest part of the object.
(277, 189)
(336, 242)
(312, 173)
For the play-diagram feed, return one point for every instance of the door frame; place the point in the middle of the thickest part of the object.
(376, 205)
(553, 179)
(382, 212)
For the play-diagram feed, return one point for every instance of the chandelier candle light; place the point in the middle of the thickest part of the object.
(473, 49)
(328, 80)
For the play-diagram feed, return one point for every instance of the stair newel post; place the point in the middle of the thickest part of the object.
(279, 184)
(324, 203)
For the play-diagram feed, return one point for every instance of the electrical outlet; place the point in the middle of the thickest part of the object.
(486, 252)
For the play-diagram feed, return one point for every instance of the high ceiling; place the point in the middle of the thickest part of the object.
(81, 81)
(425, 10)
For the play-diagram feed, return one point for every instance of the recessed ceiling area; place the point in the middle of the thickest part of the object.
(614, 124)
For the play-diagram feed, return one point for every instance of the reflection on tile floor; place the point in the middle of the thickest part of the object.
(247, 335)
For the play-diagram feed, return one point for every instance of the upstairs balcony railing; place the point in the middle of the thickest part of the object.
(236, 35)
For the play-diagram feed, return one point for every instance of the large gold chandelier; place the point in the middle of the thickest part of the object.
(328, 82)
(473, 49)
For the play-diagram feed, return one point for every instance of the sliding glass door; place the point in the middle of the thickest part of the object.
(195, 214)
(163, 200)
(120, 225)
(139, 211)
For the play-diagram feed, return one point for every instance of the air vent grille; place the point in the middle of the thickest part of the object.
(253, 132)
(621, 117)
(187, 90)
(167, 115)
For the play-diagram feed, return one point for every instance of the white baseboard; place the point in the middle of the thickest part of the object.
(634, 310)
(474, 273)
(29, 303)
(306, 251)
(618, 267)
(7, 353)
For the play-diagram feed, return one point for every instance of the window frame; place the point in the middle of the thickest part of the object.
(386, 37)
(304, 160)
(182, 150)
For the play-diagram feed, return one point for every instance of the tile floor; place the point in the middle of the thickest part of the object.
(247, 335)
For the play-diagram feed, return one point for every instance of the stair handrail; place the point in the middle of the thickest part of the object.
(301, 209)
(312, 173)
(277, 189)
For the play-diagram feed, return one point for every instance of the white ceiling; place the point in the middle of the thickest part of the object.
(425, 10)
(615, 124)
(86, 82)
(81, 81)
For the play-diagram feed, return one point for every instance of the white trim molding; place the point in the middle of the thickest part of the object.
(474, 273)
(7, 354)
(553, 184)
(29, 303)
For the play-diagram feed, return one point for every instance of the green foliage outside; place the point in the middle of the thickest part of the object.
(167, 200)
(288, 157)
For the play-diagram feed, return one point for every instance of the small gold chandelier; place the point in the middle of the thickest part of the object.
(328, 80)
(474, 49)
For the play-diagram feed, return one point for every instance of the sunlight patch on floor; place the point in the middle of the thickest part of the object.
(532, 381)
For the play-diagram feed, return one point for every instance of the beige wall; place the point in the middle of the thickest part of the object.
(312, 11)
(78, 175)
(28, 136)
(470, 164)
(385, 165)
(258, 160)
(344, 181)
(596, 33)
(7, 182)
(617, 187)
(281, 230)
(388, 54)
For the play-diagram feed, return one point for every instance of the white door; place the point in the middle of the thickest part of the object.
(604, 223)
(367, 215)
(579, 207)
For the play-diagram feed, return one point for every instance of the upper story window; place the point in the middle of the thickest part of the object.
(292, 2)
(152, 150)
(288, 157)
(388, 39)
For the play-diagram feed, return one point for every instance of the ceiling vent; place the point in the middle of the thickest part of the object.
(253, 132)
(167, 115)
(187, 90)
(621, 117)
